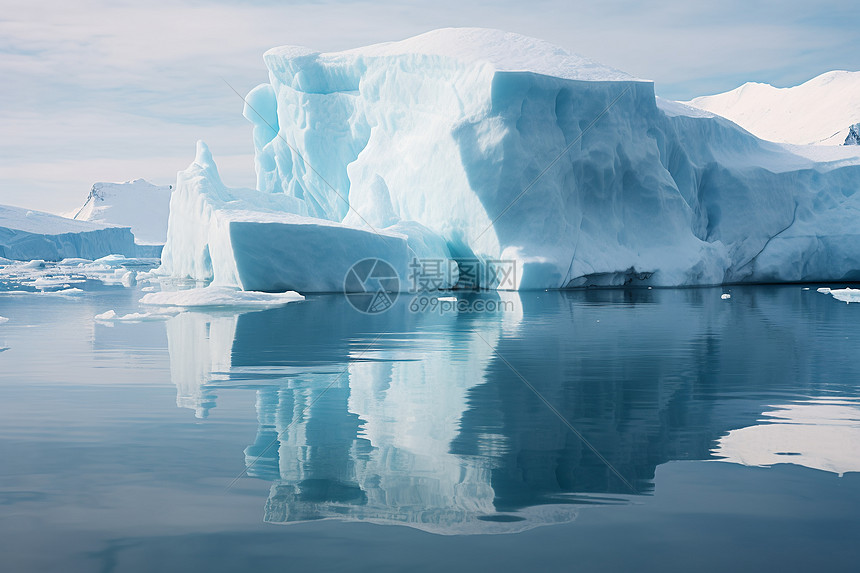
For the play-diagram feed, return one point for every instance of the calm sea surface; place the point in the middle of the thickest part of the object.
(611, 430)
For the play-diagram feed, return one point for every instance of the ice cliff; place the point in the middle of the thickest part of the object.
(28, 235)
(465, 144)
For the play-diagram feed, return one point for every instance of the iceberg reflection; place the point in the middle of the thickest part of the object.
(412, 419)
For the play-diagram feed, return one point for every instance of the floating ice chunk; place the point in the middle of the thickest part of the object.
(111, 316)
(129, 279)
(148, 289)
(3, 319)
(54, 281)
(112, 260)
(725, 296)
(34, 264)
(215, 296)
(447, 299)
(847, 295)
(74, 262)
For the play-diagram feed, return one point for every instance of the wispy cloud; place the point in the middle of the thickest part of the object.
(134, 85)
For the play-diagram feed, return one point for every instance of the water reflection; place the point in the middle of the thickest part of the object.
(413, 419)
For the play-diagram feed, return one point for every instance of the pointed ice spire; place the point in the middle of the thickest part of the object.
(204, 159)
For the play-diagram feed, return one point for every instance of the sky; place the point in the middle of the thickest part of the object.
(112, 91)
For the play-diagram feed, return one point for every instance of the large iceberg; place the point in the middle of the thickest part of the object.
(27, 235)
(473, 144)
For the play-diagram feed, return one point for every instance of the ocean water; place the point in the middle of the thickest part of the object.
(601, 430)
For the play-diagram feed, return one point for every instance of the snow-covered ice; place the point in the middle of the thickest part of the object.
(725, 296)
(425, 147)
(3, 319)
(820, 111)
(26, 235)
(217, 296)
(137, 204)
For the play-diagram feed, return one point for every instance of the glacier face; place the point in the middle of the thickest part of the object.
(501, 147)
(27, 235)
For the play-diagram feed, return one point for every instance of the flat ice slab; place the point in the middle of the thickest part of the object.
(26, 235)
(213, 297)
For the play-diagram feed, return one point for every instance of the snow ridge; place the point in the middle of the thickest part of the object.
(817, 112)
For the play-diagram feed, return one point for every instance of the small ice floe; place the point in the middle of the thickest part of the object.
(148, 289)
(211, 296)
(447, 298)
(3, 319)
(112, 316)
(66, 291)
(846, 295)
(805, 288)
(725, 296)
(49, 282)
(34, 264)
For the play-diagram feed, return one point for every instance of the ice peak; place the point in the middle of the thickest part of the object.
(203, 157)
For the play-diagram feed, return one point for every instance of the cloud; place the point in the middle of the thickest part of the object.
(136, 85)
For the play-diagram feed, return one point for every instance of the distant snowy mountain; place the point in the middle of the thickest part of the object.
(821, 111)
(137, 204)
(26, 235)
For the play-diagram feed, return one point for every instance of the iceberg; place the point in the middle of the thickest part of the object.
(137, 204)
(480, 145)
(27, 235)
